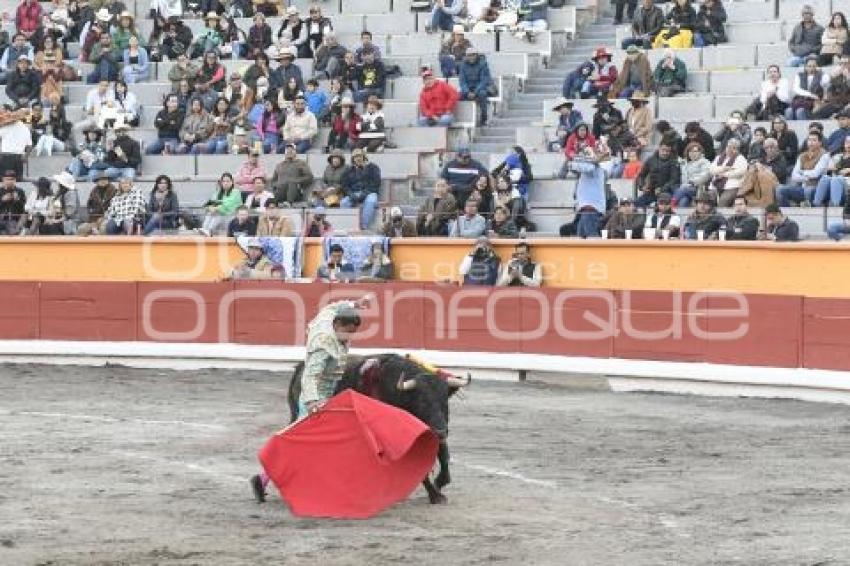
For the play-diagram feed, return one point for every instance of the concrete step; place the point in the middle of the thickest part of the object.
(502, 147)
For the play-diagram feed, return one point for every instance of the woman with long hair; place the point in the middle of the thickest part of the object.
(163, 207)
(137, 65)
(269, 126)
(126, 103)
(834, 39)
(49, 62)
(786, 137)
(482, 191)
(197, 127)
(222, 206)
(518, 169)
(124, 31)
(55, 132)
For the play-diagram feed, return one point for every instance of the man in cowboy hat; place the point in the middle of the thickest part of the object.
(286, 70)
(92, 32)
(256, 264)
(636, 75)
(475, 81)
(568, 119)
(639, 118)
(602, 76)
(605, 116)
(23, 84)
(125, 156)
(19, 47)
(208, 38)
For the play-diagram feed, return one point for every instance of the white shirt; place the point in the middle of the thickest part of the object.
(14, 138)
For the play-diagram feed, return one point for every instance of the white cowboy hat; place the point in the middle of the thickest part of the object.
(65, 179)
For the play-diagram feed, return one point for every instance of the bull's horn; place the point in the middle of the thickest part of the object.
(459, 381)
(405, 384)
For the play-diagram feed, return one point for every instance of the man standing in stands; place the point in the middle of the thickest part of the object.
(475, 81)
(742, 225)
(437, 101)
(291, 178)
(590, 193)
(461, 173)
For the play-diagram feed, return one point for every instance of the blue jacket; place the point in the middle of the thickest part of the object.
(316, 101)
(590, 190)
(531, 10)
(835, 141)
(461, 176)
(144, 63)
(281, 75)
(474, 77)
(571, 120)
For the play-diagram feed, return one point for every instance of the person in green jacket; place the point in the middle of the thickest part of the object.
(671, 75)
(222, 206)
(124, 31)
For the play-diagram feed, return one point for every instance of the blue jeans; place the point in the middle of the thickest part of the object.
(698, 40)
(448, 66)
(786, 194)
(795, 61)
(832, 186)
(215, 145)
(361, 95)
(77, 168)
(836, 230)
(270, 142)
(300, 146)
(684, 195)
(444, 120)
(634, 41)
(798, 114)
(646, 199)
(114, 228)
(367, 208)
(103, 71)
(573, 85)
(159, 144)
(588, 224)
(116, 173)
(159, 221)
(628, 91)
(441, 20)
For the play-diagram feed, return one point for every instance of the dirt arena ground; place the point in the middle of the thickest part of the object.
(126, 466)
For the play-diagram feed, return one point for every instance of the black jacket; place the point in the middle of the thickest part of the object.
(742, 227)
(172, 47)
(371, 76)
(168, 124)
(25, 84)
(779, 166)
(662, 175)
(15, 206)
(785, 231)
(705, 140)
(132, 153)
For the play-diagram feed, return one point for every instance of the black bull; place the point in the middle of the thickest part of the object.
(404, 384)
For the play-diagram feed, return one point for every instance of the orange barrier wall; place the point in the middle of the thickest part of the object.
(817, 269)
(780, 330)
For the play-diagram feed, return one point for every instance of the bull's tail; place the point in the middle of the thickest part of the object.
(295, 391)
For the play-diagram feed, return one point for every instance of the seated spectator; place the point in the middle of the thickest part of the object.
(211, 80)
(619, 9)
(780, 228)
(9, 60)
(521, 271)
(678, 29)
(533, 16)
(256, 264)
(836, 230)
(336, 268)
(163, 207)
(639, 119)
(461, 172)
(774, 96)
(125, 157)
(590, 194)
(125, 29)
(671, 75)
(786, 138)
(267, 128)
(136, 63)
(634, 77)
(12, 205)
(481, 265)
(293, 29)
(208, 39)
(273, 222)
(54, 132)
(620, 142)
(398, 226)
(23, 85)
(28, 17)
(126, 104)
(576, 80)
(508, 196)
(577, 142)
(318, 26)
(269, 8)
(178, 38)
(89, 156)
(372, 135)
(836, 98)
(106, 59)
(646, 24)
(377, 267)
(742, 225)
(360, 186)
(727, 172)
(291, 178)
(330, 192)
(316, 225)
(670, 136)
(243, 224)
(36, 207)
(834, 39)
(196, 129)
(517, 169)
(626, 222)
(370, 78)
(501, 225)
(249, 171)
(734, 128)
(437, 101)
(810, 167)
(808, 90)
(184, 69)
(663, 218)
(223, 204)
(764, 175)
(317, 100)
(287, 69)
(709, 28)
(97, 204)
(366, 44)
(436, 213)
(805, 39)
(452, 51)
(301, 127)
(232, 38)
(475, 82)
(602, 76)
(92, 32)
(470, 224)
(696, 173)
(259, 36)
(704, 221)
(757, 145)
(126, 209)
(832, 188)
(605, 117)
(286, 96)
(168, 123)
(259, 196)
(443, 15)
(694, 132)
(568, 119)
(329, 57)
(660, 174)
(482, 191)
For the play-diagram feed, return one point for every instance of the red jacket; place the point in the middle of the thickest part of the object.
(352, 127)
(607, 76)
(440, 99)
(574, 145)
(28, 17)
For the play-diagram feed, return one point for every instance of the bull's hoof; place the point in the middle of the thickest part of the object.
(438, 499)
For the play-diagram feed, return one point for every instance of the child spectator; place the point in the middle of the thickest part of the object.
(372, 136)
(317, 100)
